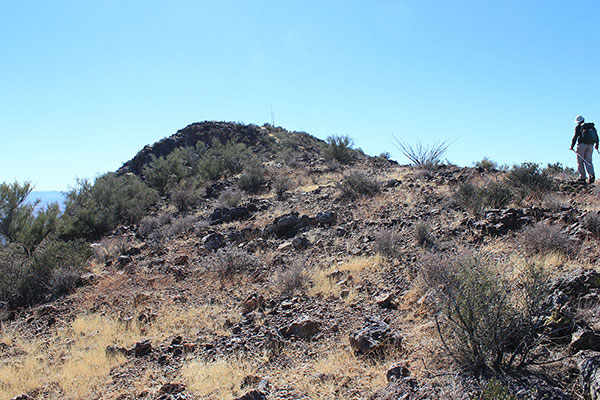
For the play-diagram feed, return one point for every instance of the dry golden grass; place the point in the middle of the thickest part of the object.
(73, 361)
(324, 285)
(219, 380)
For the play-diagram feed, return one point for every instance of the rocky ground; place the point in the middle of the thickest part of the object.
(311, 296)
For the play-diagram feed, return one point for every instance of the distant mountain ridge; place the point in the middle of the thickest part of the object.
(47, 197)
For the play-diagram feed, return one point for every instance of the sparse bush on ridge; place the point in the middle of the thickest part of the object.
(425, 156)
(339, 148)
(591, 222)
(184, 196)
(357, 184)
(486, 164)
(292, 279)
(529, 180)
(164, 173)
(495, 194)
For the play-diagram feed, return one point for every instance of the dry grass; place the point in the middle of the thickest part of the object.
(72, 362)
(325, 280)
(219, 379)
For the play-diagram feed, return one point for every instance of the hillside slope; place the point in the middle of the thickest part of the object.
(327, 290)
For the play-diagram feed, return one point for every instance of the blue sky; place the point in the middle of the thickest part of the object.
(84, 85)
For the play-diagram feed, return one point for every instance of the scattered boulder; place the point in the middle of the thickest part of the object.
(397, 371)
(225, 214)
(585, 340)
(253, 395)
(253, 302)
(141, 349)
(213, 241)
(304, 327)
(373, 337)
(122, 261)
(181, 260)
(590, 373)
(326, 218)
(172, 388)
(386, 300)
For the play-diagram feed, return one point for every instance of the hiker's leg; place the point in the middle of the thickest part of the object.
(580, 158)
(588, 157)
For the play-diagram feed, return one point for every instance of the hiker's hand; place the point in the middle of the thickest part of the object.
(571, 148)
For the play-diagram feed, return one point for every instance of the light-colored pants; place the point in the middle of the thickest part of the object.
(584, 159)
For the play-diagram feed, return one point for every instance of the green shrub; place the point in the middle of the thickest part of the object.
(529, 180)
(482, 319)
(19, 222)
(476, 198)
(93, 210)
(164, 173)
(253, 179)
(357, 184)
(496, 195)
(232, 154)
(486, 164)
(339, 148)
(52, 270)
(558, 169)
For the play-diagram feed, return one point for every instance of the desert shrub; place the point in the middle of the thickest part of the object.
(292, 279)
(229, 261)
(423, 155)
(386, 241)
(253, 179)
(164, 173)
(529, 180)
(496, 195)
(357, 184)
(151, 223)
(468, 196)
(591, 222)
(476, 198)
(180, 225)
(542, 238)
(93, 210)
(554, 202)
(211, 167)
(558, 169)
(54, 267)
(483, 319)
(282, 185)
(20, 222)
(230, 197)
(232, 154)
(486, 164)
(185, 196)
(339, 148)
(422, 235)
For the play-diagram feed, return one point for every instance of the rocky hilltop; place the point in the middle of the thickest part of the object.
(343, 276)
(262, 140)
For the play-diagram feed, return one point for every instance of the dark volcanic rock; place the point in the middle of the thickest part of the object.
(304, 327)
(373, 336)
(590, 373)
(253, 395)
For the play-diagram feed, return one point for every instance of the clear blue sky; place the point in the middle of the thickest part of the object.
(84, 85)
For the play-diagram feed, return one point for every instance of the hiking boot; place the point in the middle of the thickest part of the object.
(592, 178)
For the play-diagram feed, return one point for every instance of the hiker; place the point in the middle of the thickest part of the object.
(586, 138)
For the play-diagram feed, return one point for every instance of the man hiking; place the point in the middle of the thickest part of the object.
(586, 138)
